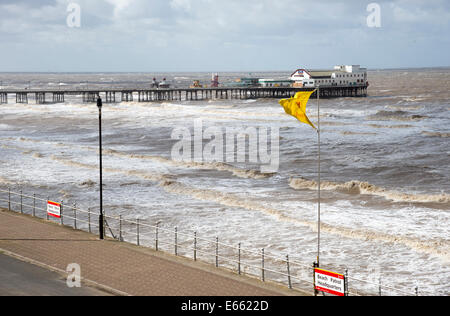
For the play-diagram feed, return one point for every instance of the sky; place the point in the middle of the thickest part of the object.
(221, 35)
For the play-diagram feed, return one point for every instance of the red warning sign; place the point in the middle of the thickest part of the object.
(329, 282)
(54, 209)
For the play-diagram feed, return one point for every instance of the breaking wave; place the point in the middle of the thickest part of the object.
(390, 126)
(436, 134)
(439, 248)
(405, 108)
(5, 181)
(170, 185)
(359, 187)
(329, 123)
(217, 111)
(345, 133)
(142, 174)
(89, 183)
(219, 166)
(396, 116)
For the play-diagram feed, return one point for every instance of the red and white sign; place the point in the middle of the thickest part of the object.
(54, 209)
(329, 282)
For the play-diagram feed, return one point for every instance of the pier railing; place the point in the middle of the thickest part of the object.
(116, 94)
(287, 270)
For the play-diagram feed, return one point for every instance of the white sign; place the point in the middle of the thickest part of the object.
(54, 209)
(329, 282)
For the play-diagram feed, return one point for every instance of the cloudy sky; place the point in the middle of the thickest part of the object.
(220, 35)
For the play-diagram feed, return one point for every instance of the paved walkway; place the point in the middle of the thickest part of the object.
(121, 268)
(19, 278)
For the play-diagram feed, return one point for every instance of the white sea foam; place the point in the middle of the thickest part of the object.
(219, 166)
(5, 181)
(359, 187)
(390, 126)
(439, 248)
(436, 134)
(171, 185)
(405, 231)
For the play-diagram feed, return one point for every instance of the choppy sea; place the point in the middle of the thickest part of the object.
(385, 169)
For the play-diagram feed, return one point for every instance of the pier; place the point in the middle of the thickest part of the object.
(114, 95)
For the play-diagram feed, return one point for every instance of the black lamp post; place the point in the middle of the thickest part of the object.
(99, 105)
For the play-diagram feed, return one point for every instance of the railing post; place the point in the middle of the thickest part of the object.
(262, 265)
(21, 202)
(239, 259)
(288, 272)
(61, 218)
(137, 231)
(156, 236)
(89, 219)
(120, 228)
(75, 216)
(34, 205)
(176, 241)
(195, 246)
(217, 252)
(346, 283)
(379, 286)
(315, 265)
(46, 213)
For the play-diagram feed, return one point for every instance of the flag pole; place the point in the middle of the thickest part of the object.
(318, 182)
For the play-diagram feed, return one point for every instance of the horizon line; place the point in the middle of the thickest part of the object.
(203, 71)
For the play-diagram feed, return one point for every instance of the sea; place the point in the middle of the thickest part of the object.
(384, 169)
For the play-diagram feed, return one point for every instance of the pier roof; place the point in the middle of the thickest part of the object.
(321, 73)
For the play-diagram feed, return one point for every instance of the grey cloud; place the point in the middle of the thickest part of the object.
(233, 30)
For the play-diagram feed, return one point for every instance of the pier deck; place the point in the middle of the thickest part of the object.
(112, 95)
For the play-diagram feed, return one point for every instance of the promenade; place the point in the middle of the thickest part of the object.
(121, 268)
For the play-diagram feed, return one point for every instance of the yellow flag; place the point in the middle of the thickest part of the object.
(296, 106)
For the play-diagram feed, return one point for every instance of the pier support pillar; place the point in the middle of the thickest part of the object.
(22, 97)
(110, 97)
(90, 97)
(40, 97)
(3, 98)
(58, 97)
(127, 96)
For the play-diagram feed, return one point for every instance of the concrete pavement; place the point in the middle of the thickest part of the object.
(20, 278)
(119, 268)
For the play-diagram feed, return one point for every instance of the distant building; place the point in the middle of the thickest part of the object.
(246, 82)
(340, 76)
(260, 82)
(273, 83)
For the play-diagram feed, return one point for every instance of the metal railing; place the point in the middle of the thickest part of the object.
(287, 270)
